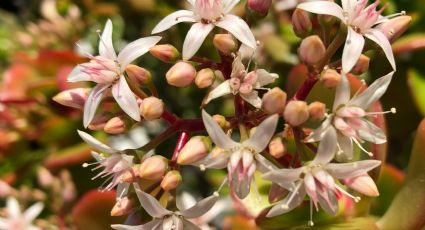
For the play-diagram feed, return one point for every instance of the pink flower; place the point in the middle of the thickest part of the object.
(206, 14)
(243, 83)
(241, 159)
(165, 219)
(317, 179)
(16, 219)
(360, 20)
(349, 117)
(107, 70)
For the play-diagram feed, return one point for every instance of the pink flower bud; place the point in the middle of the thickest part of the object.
(99, 122)
(312, 50)
(138, 74)
(301, 23)
(205, 78)
(5, 189)
(165, 53)
(296, 113)
(274, 101)
(74, 98)
(363, 184)
(182, 74)
(171, 180)
(45, 178)
(123, 206)
(153, 168)
(362, 65)
(195, 149)
(317, 111)
(277, 147)
(115, 125)
(330, 78)
(261, 7)
(395, 27)
(225, 43)
(152, 108)
(68, 192)
(131, 175)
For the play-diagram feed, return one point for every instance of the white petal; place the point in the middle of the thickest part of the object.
(253, 99)
(185, 201)
(201, 207)
(13, 208)
(263, 165)
(353, 169)
(32, 212)
(136, 49)
(77, 75)
(219, 91)
(192, 2)
(189, 225)
(152, 225)
(122, 189)
(95, 143)
(284, 207)
(263, 133)
(371, 133)
(285, 5)
(352, 50)
(209, 162)
(328, 202)
(284, 175)
(216, 133)
(265, 78)
(327, 147)
(348, 4)
(379, 38)
(106, 48)
(342, 94)
(126, 99)
(238, 27)
(228, 5)
(323, 7)
(194, 39)
(93, 100)
(173, 19)
(150, 204)
(317, 134)
(346, 145)
(372, 93)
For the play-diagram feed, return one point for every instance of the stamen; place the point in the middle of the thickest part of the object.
(202, 167)
(222, 184)
(361, 147)
(355, 198)
(286, 205)
(393, 111)
(310, 223)
(402, 13)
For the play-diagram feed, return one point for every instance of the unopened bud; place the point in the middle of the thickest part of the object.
(69, 192)
(301, 23)
(182, 74)
(74, 98)
(115, 125)
(326, 20)
(195, 149)
(274, 101)
(152, 108)
(205, 78)
(45, 178)
(5, 189)
(139, 74)
(330, 78)
(362, 65)
(225, 43)
(317, 111)
(99, 122)
(221, 121)
(312, 50)
(165, 53)
(131, 175)
(260, 7)
(153, 168)
(296, 113)
(123, 206)
(363, 184)
(171, 180)
(277, 147)
(395, 27)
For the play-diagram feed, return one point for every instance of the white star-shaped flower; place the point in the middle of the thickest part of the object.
(16, 219)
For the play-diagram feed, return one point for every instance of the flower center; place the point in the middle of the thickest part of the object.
(102, 70)
(209, 10)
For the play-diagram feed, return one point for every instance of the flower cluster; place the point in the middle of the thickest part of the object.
(324, 164)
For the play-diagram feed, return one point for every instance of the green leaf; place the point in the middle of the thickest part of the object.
(416, 83)
(407, 210)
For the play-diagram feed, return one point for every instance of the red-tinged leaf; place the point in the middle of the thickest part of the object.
(71, 156)
(93, 211)
(407, 210)
(409, 43)
(239, 222)
(15, 82)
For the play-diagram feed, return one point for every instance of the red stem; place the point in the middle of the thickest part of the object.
(181, 142)
(306, 88)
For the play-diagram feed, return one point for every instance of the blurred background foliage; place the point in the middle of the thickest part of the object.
(37, 51)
